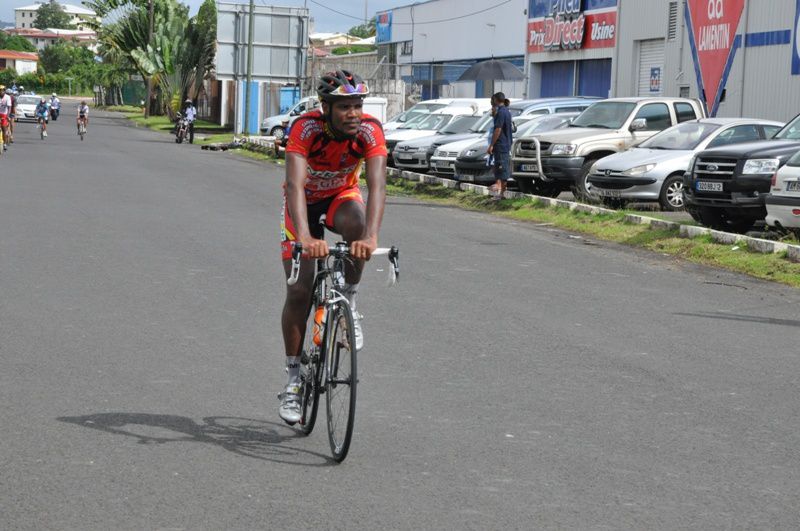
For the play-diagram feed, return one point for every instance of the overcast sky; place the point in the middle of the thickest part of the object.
(325, 20)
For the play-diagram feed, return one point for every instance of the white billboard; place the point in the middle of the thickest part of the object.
(280, 40)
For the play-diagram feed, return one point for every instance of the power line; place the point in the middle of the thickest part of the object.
(418, 23)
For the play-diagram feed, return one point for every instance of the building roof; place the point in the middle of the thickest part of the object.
(68, 8)
(51, 33)
(19, 56)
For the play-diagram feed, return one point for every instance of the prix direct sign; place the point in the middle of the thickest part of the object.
(571, 24)
(713, 25)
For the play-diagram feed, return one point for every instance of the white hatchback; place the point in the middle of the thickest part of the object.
(783, 203)
(26, 107)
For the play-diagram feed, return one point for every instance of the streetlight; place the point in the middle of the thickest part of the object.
(430, 69)
(491, 47)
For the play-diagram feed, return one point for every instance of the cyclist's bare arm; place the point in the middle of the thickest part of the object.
(296, 172)
(376, 183)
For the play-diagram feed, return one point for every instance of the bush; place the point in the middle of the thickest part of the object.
(7, 76)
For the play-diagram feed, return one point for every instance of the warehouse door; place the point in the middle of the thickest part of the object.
(651, 67)
(558, 79)
(594, 77)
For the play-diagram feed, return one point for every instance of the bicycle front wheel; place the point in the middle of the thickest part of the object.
(340, 379)
(311, 375)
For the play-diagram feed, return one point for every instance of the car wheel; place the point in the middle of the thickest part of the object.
(671, 197)
(546, 189)
(582, 190)
(278, 132)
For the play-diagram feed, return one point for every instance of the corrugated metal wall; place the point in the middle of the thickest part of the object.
(760, 83)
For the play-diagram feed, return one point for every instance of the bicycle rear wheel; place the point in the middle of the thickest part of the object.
(341, 379)
(311, 375)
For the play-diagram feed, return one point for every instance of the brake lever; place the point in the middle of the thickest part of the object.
(297, 253)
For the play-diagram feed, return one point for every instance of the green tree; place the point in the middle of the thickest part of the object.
(52, 15)
(363, 31)
(15, 43)
(61, 56)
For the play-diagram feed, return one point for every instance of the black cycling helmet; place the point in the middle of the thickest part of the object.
(341, 84)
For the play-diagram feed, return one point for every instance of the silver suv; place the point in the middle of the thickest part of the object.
(560, 160)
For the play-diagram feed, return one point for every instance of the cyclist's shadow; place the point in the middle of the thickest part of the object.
(247, 437)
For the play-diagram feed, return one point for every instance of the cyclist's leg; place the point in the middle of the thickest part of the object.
(350, 221)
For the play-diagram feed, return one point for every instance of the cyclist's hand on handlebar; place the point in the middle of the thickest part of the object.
(363, 249)
(314, 248)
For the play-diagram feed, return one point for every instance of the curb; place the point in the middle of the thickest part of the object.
(686, 231)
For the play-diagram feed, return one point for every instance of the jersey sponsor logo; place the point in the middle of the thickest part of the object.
(329, 174)
(310, 127)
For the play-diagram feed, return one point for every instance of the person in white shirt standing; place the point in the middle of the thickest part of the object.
(5, 109)
(191, 114)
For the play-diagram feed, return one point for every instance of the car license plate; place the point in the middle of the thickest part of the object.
(529, 167)
(403, 157)
(443, 165)
(709, 186)
(793, 186)
(610, 193)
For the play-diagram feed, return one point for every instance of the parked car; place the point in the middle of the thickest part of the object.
(26, 108)
(605, 128)
(470, 162)
(413, 154)
(653, 170)
(428, 106)
(783, 203)
(536, 106)
(726, 187)
(428, 125)
(272, 125)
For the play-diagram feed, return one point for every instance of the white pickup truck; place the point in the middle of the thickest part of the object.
(555, 161)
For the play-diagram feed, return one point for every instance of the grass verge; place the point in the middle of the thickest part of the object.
(612, 227)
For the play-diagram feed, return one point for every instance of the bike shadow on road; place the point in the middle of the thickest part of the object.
(257, 439)
(742, 318)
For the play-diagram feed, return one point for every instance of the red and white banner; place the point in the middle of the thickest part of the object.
(713, 25)
(597, 29)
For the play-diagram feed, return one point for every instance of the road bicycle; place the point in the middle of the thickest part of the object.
(41, 123)
(328, 362)
(82, 128)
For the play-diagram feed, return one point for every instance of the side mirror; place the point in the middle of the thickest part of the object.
(639, 124)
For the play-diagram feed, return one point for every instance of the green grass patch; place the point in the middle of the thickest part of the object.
(612, 227)
(127, 109)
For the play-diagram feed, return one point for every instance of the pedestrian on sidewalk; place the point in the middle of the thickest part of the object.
(500, 143)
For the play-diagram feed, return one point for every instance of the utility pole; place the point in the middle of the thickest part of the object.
(249, 69)
(149, 78)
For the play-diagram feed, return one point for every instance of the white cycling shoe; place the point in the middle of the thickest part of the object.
(289, 409)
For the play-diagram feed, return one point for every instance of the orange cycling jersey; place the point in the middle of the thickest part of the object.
(333, 165)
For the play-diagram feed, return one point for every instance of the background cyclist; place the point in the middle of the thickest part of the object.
(5, 110)
(42, 115)
(83, 115)
(325, 153)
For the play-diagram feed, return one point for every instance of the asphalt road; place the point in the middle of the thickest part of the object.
(519, 377)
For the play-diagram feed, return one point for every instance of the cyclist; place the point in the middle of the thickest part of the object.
(5, 110)
(83, 115)
(55, 106)
(191, 114)
(12, 116)
(42, 113)
(326, 150)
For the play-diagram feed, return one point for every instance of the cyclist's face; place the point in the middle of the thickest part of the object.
(346, 115)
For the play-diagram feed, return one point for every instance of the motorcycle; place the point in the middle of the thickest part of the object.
(54, 112)
(181, 129)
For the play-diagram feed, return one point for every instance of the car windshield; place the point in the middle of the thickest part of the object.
(686, 136)
(540, 124)
(413, 117)
(790, 131)
(27, 100)
(432, 122)
(462, 124)
(794, 160)
(483, 124)
(604, 115)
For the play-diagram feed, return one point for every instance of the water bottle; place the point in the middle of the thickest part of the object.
(490, 160)
(319, 323)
